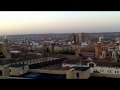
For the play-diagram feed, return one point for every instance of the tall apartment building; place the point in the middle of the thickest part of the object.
(83, 37)
(101, 39)
(79, 37)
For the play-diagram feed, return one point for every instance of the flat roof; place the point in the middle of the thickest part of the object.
(17, 65)
(43, 76)
(81, 68)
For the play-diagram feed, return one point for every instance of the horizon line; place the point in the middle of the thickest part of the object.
(57, 33)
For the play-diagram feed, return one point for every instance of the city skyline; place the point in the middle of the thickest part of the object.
(37, 22)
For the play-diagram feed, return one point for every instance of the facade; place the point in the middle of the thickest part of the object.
(98, 50)
(83, 37)
(18, 69)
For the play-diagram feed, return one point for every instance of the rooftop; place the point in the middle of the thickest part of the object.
(97, 62)
(43, 76)
(47, 63)
(64, 68)
(17, 65)
(81, 68)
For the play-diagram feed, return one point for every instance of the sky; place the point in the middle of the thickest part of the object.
(37, 22)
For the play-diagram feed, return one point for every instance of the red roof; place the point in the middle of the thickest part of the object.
(64, 68)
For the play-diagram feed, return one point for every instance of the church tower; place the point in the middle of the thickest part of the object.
(97, 50)
(5, 48)
(103, 54)
(114, 55)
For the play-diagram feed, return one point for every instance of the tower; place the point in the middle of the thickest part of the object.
(103, 54)
(97, 50)
(114, 55)
(5, 48)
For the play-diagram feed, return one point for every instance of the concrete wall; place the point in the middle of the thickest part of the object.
(47, 71)
(16, 71)
(71, 74)
(5, 71)
(83, 74)
(105, 75)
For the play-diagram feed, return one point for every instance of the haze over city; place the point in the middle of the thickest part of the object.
(34, 22)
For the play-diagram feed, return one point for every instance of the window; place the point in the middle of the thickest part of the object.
(9, 70)
(110, 71)
(117, 71)
(91, 65)
(101, 70)
(23, 67)
(77, 74)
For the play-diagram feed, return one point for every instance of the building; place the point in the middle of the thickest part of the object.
(5, 49)
(72, 37)
(83, 37)
(98, 50)
(15, 70)
(79, 37)
(101, 68)
(18, 69)
(101, 39)
(78, 73)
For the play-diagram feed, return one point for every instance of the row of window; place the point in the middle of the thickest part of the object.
(102, 70)
(29, 61)
(109, 71)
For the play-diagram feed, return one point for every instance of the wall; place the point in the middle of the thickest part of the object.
(71, 74)
(47, 71)
(105, 75)
(83, 74)
(14, 71)
(5, 71)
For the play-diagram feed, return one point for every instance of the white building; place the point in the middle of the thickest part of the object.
(96, 66)
(101, 39)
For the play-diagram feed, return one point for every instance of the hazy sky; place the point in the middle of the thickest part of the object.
(28, 22)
